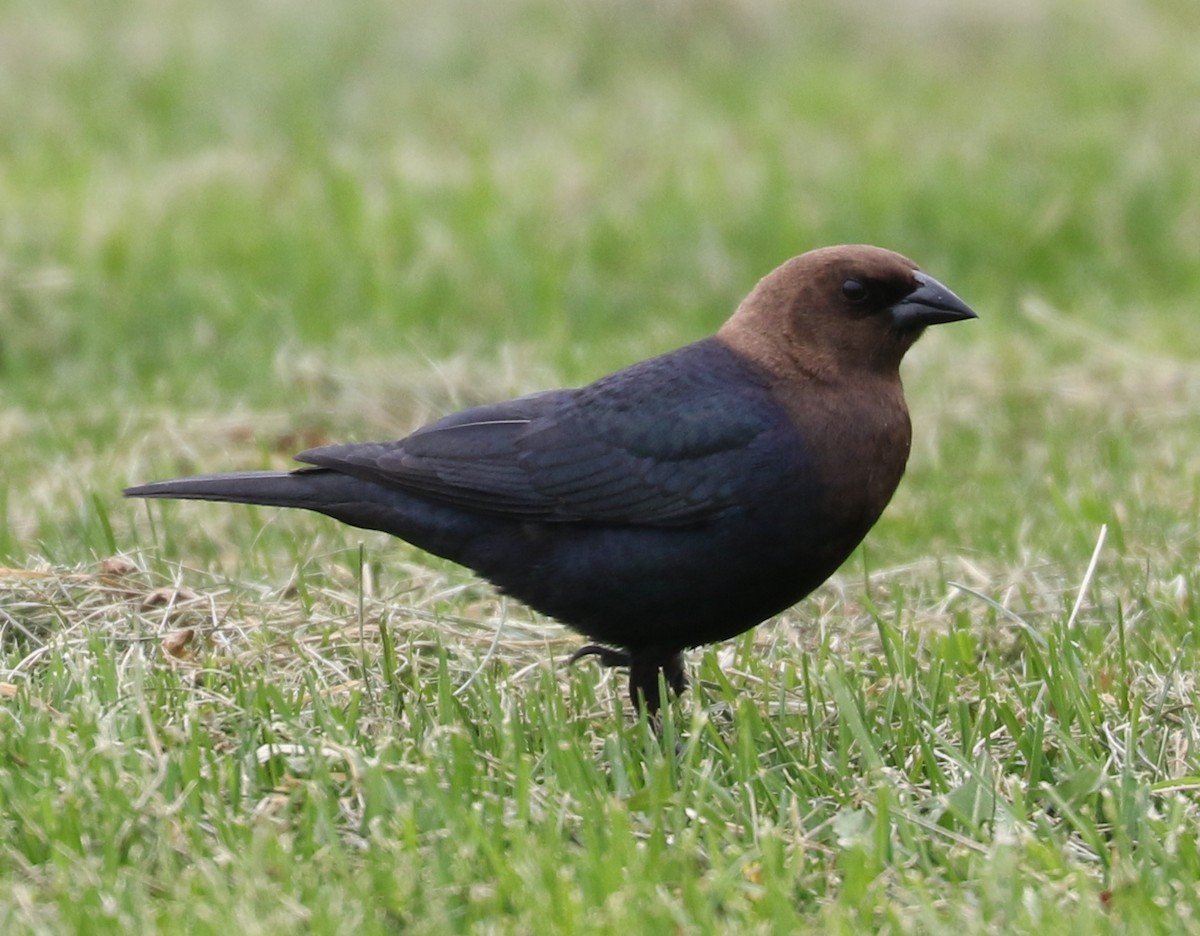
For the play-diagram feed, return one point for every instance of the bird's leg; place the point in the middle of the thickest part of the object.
(643, 679)
(643, 672)
(674, 674)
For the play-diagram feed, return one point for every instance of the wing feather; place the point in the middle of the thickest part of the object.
(663, 443)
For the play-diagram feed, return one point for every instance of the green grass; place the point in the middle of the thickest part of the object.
(230, 231)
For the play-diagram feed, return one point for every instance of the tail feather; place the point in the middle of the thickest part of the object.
(437, 528)
(267, 488)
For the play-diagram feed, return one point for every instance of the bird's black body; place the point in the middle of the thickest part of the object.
(675, 503)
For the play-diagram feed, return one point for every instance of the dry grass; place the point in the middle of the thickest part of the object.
(236, 230)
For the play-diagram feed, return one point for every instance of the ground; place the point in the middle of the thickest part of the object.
(231, 231)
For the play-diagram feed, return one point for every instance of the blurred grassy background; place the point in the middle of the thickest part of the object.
(190, 186)
(208, 204)
(231, 230)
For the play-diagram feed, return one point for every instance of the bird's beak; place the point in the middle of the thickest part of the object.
(930, 303)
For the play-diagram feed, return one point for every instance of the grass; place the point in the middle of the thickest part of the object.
(235, 230)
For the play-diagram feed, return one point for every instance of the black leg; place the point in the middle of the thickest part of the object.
(644, 668)
(643, 679)
(674, 674)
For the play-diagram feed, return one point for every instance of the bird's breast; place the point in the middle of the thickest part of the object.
(856, 440)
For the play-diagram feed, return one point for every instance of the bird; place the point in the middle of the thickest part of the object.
(674, 503)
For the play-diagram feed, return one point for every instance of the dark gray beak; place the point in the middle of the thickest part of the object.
(930, 303)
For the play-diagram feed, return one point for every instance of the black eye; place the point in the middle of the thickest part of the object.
(855, 291)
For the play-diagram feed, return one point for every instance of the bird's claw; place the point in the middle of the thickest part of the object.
(609, 657)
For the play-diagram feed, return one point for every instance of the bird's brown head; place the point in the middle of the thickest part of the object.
(838, 313)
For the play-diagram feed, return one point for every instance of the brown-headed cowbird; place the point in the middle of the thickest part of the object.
(677, 502)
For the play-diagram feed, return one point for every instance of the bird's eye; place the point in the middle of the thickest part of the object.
(855, 291)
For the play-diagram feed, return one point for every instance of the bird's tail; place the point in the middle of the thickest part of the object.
(365, 504)
(305, 488)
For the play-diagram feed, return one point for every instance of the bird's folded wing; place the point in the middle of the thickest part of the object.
(566, 456)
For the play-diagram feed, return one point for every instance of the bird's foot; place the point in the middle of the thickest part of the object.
(644, 668)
